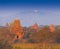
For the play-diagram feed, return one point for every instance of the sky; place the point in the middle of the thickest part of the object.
(42, 12)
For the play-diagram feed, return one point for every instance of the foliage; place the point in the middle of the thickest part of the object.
(5, 45)
(44, 35)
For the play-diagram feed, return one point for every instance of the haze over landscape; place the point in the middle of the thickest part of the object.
(29, 24)
(30, 12)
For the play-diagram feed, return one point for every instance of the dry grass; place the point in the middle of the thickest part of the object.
(36, 46)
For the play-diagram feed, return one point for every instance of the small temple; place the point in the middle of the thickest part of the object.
(35, 27)
(51, 27)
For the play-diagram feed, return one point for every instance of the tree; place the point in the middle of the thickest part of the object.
(58, 27)
(5, 45)
(57, 34)
(43, 36)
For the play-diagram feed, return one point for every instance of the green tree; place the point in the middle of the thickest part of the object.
(58, 27)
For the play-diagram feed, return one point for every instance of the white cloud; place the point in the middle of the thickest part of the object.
(36, 11)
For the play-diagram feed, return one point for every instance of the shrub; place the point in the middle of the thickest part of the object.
(5, 45)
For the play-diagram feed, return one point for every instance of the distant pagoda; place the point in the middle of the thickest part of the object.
(51, 27)
(35, 27)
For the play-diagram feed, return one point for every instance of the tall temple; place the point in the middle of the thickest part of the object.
(17, 29)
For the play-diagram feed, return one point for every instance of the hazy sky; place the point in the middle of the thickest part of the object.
(43, 12)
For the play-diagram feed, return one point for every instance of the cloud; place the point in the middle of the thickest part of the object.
(36, 11)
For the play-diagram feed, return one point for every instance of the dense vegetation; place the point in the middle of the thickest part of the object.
(42, 36)
(31, 38)
(5, 45)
